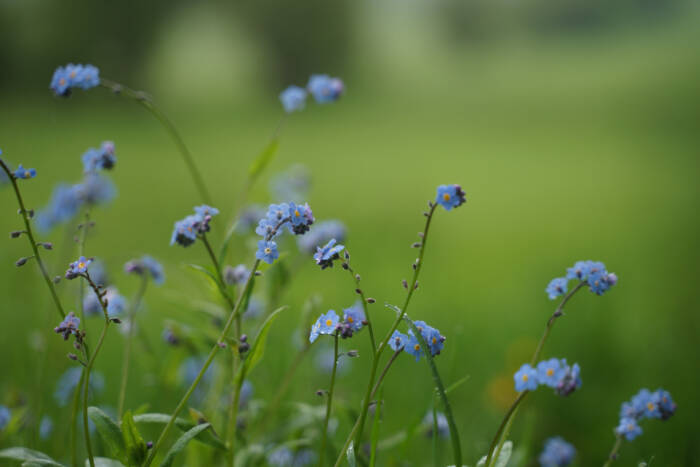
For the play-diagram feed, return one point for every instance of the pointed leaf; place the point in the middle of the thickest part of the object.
(206, 437)
(205, 271)
(262, 160)
(109, 431)
(181, 443)
(136, 450)
(29, 456)
(258, 349)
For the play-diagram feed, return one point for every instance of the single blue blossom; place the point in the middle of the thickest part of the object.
(398, 341)
(525, 378)
(277, 213)
(450, 196)
(325, 324)
(293, 98)
(205, 210)
(236, 276)
(557, 453)
(146, 265)
(78, 267)
(550, 372)
(666, 404)
(45, 427)
(100, 159)
(88, 78)
(628, 428)
(23, 173)
(431, 336)
(570, 379)
(325, 255)
(69, 325)
(556, 288)
(267, 251)
(325, 89)
(268, 229)
(185, 231)
(301, 218)
(320, 234)
(579, 270)
(5, 416)
(354, 316)
(413, 346)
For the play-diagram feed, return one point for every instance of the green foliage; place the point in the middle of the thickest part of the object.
(182, 442)
(28, 456)
(109, 431)
(136, 450)
(206, 436)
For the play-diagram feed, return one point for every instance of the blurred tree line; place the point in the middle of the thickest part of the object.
(297, 37)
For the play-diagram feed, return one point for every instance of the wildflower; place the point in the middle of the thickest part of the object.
(570, 379)
(549, 372)
(325, 89)
(431, 336)
(276, 213)
(413, 346)
(69, 380)
(116, 303)
(204, 211)
(325, 324)
(666, 405)
(325, 255)
(354, 316)
(63, 206)
(77, 268)
(398, 341)
(628, 428)
(293, 98)
(443, 429)
(268, 229)
(74, 76)
(301, 218)
(237, 275)
(96, 189)
(68, 326)
(280, 457)
(5, 416)
(450, 196)
(556, 288)
(320, 234)
(23, 173)
(267, 251)
(579, 270)
(45, 427)
(146, 265)
(99, 159)
(185, 232)
(526, 378)
(557, 453)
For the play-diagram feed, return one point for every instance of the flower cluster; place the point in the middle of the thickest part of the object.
(295, 218)
(146, 265)
(450, 196)
(593, 273)
(78, 268)
(555, 373)
(557, 453)
(644, 404)
(65, 78)
(68, 326)
(411, 344)
(323, 88)
(99, 159)
(186, 230)
(329, 323)
(328, 253)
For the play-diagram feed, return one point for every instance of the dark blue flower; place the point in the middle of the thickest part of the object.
(325, 255)
(557, 453)
(325, 89)
(628, 428)
(185, 231)
(293, 98)
(99, 159)
(23, 173)
(398, 341)
(267, 251)
(450, 196)
(68, 326)
(556, 288)
(665, 403)
(526, 378)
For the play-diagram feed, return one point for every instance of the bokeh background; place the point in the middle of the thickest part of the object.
(573, 126)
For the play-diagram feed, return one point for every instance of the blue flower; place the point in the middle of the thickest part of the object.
(301, 218)
(325, 255)
(354, 316)
(185, 231)
(78, 267)
(5, 416)
(413, 346)
(579, 270)
(550, 372)
(69, 381)
(236, 276)
(99, 159)
(443, 428)
(556, 288)
(280, 457)
(23, 173)
(320, 234)
(276, 213)
(116, 303)
(628, 410)
(88, 78)
(63, 206)
(525, 378)
(398, 341)
(450, 196)
(570, 379)
(431, 336)
(325, 324)
(325, 89)
(68, 326)
(267, 251)
(557, 453)
(204, 211)
(96, 189)
(599, 280)
(146, 265)
(74, 76)
(45, 427)
(60, 83)
(666, 404)
(628, 428)
(293, 98)
(268, 229)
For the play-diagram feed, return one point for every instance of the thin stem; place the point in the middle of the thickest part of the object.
(127, 345)
(219, 274)
(355, 277)
(145, 101)
(32, 241)
(505, 421)
(412, 287)
(74, 420)
(613, 453)
(329, 402)
(550, 323)
(81, 252)
(384, 372)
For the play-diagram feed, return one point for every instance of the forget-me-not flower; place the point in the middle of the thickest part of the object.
(398, 341)
(293, 99)
(325, 255)
(556, 287)
(354, 316)
(450, 196)
(74, 76)
(68, 326)
(550, 372)
(23, 173)
(628, 428)
(325, 89)
(267, 251)
(557, 453)
(301, 218)
(525, 378)
(325, 324)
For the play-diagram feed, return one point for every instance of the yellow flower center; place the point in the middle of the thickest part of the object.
(434, 340)
(62, 81)
(446, 196)
(417, 347)
(81, 265)
(525, 378)
(27, 174)
(297, 213)
(350, 320)
(550, 371)
(329, 322)
(73, 74)
(267, 251)
(630, 427)
(650, 406)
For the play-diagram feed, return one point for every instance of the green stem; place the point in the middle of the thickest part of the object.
(505, 421)
(412, 287)
(613, 453)
(32, 241)
(74, 420)
(355, 277)
(81, 252)
(145, 101)
(329, 403)
(127, 345)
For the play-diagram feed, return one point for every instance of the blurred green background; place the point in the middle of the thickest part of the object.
(573, 127)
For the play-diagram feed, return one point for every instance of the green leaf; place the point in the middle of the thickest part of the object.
(181, 443)
(258, 349)
(263, 159)
(457, 384)
(136, 450)
(204, 271)
(109, 431)
(350, 454)
(28, 456)
(206, 437)
(503, 456)
(104, 462)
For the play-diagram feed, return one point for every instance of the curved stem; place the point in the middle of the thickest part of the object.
(30, 235)
(329, 403)
(613, 453)
(355, 277)
(81, 252)
(127, 345)
(505, 421)
(145, 101)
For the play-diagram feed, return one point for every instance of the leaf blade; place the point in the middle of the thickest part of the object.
(181, 443)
